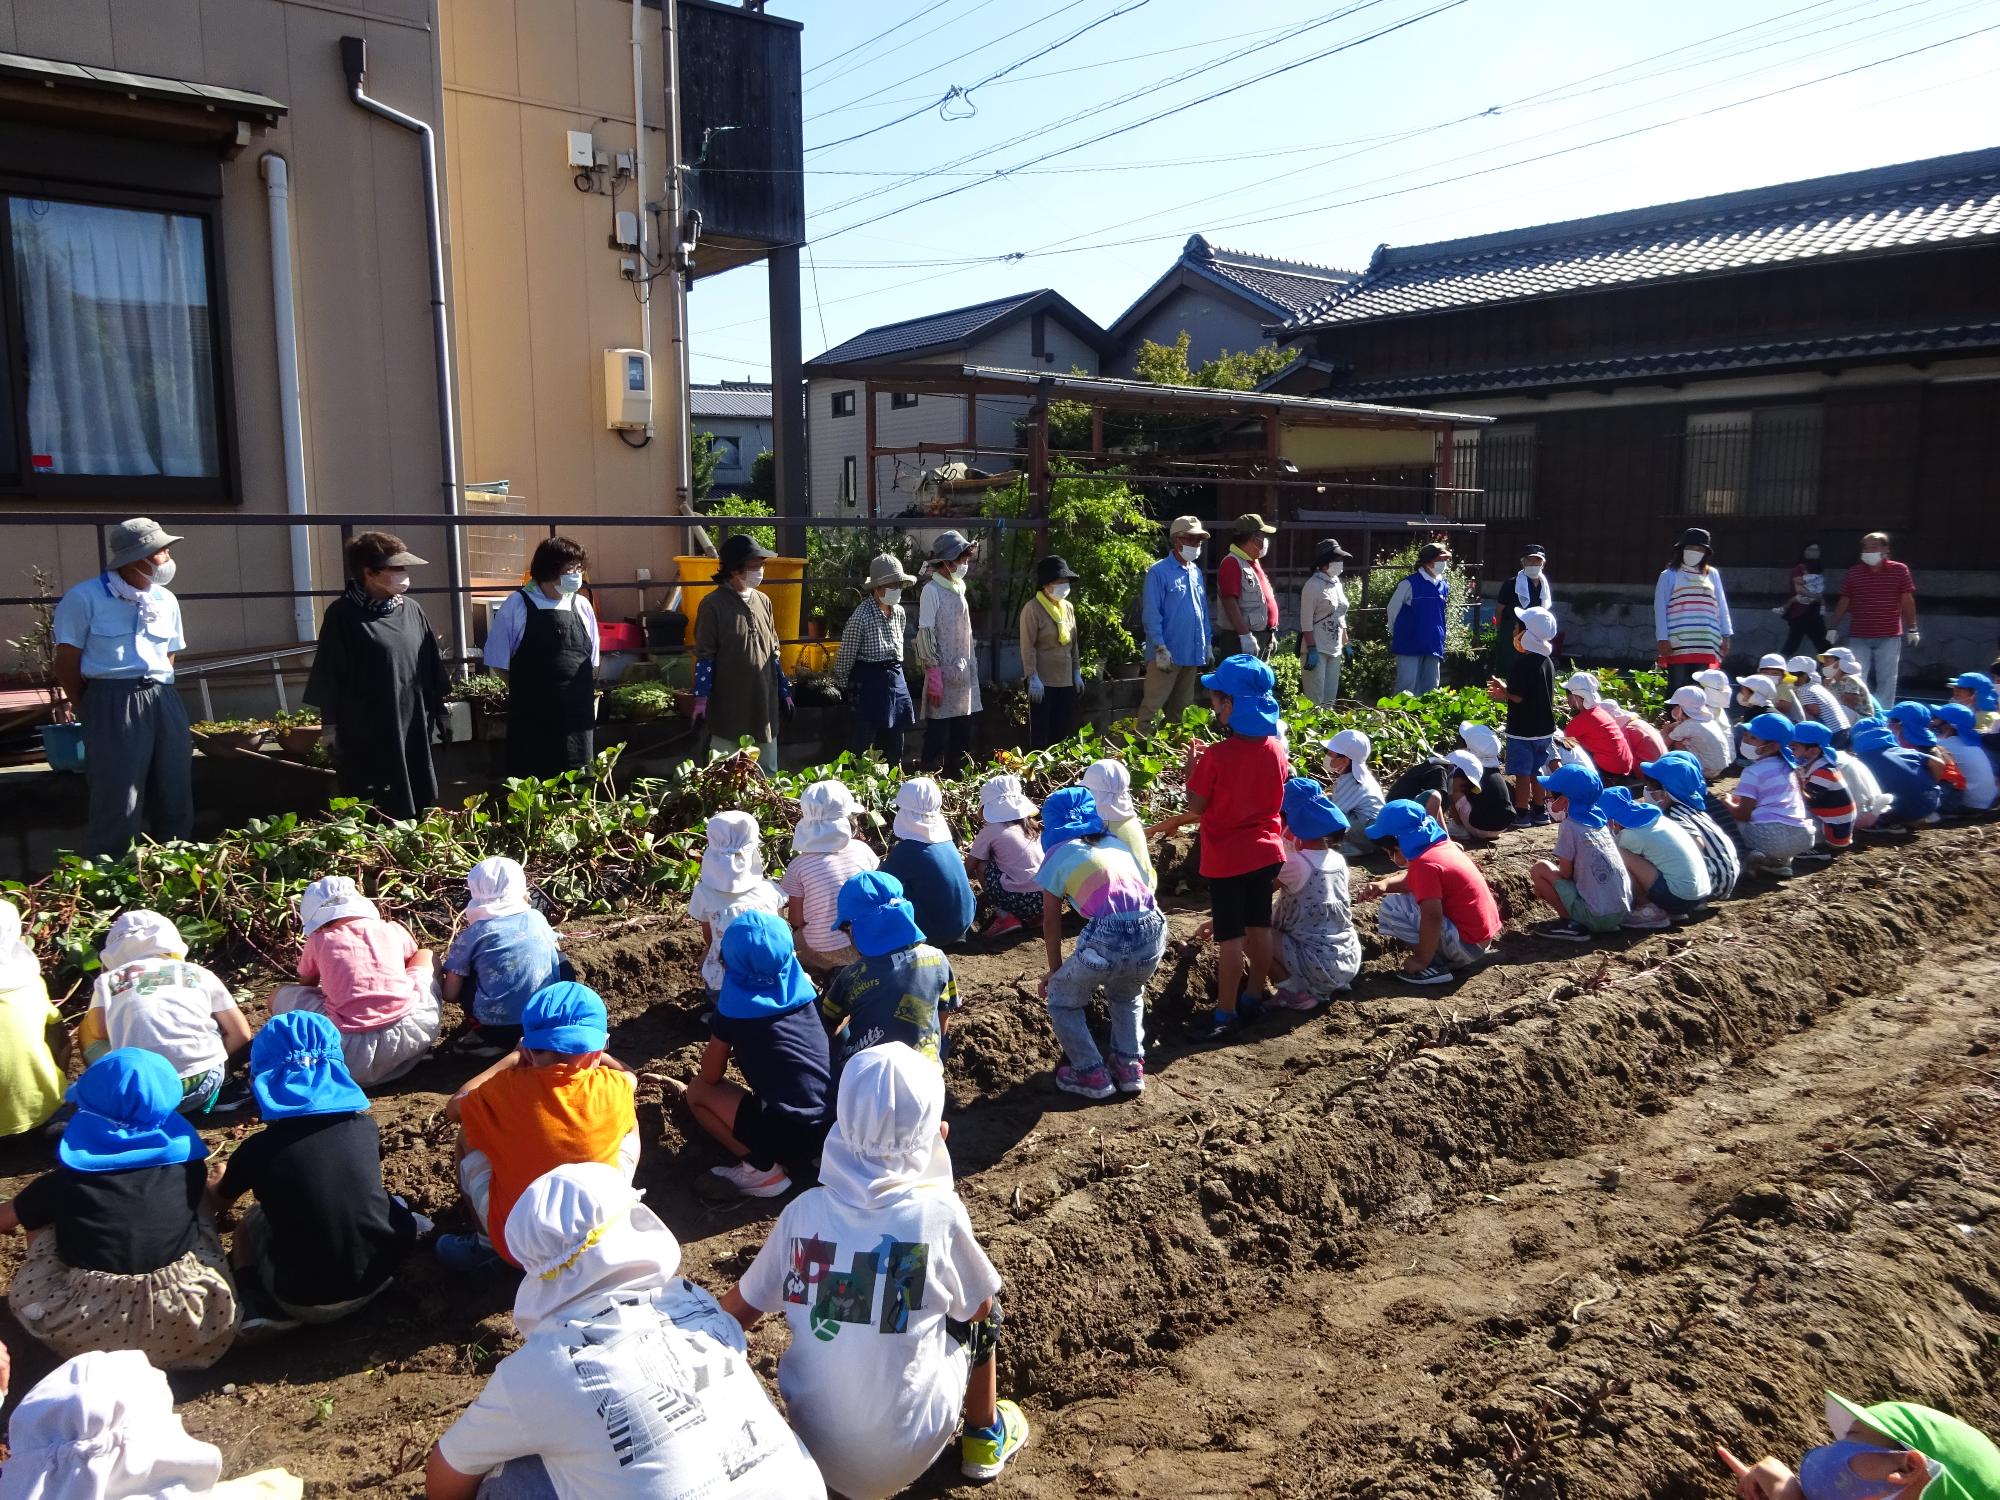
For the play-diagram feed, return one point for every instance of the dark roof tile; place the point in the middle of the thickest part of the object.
(949, 330)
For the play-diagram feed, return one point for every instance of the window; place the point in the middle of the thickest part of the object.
(118, 324)
(843, 403)
(1752, 463)
(902, 400)
(1499, 462)
(728, 453)
(847, 480)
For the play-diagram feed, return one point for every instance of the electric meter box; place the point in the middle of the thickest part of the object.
(628, 389)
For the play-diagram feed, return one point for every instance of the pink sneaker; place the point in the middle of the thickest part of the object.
(1128, 1074)
(1291, 999)
(1093, 1083)
(1003, 924)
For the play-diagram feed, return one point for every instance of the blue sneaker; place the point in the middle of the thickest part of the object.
(467, 1254)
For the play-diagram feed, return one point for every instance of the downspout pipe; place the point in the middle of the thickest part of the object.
(291, 426)
(354, 61)
(645, 283)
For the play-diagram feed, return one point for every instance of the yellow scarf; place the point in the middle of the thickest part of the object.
(1062, 612)
(1241, 556)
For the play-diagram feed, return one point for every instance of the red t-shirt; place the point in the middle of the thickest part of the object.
(1875, 599)
(1243, 781)
(1229, 585)
(1446, 874)
(1644, 741)
(1598, 732)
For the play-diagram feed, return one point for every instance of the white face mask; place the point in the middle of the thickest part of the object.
(752, 577)
(1335, 568)
(1873, 559)
(399, 581)
(570, 583)
(892, 597)
(1436, 570)
(163, 574)
(1058, 591)
(1533, 570)
(1691, 557)
(1191, 552)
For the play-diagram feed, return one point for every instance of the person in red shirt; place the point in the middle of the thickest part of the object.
(1878, 610)
(1592, 727)
(1236, 789)
(1437, 901)
(1248, 608)
(1646, 741)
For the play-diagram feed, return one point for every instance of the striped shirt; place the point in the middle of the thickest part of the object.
(869, 636)
(1817, 703)
(1830, 801)
(1875, 599)
(1691, 612)
(816, 880)
(1717, 852)
(1770, 784)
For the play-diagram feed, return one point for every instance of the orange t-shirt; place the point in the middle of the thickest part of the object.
(529, 1121)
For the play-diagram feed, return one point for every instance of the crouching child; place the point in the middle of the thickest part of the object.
(1669, 878)
(1318, 953)
(1437, 902)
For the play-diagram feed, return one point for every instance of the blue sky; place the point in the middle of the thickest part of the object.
(1313, 159)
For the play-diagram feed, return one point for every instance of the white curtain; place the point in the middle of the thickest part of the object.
(120, 364)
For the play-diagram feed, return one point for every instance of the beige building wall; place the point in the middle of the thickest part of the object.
(360, 271)
(536, 286)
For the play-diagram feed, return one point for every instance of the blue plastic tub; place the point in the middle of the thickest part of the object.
(63, 745)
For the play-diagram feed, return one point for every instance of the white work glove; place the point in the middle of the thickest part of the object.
(1163, 659)
(1833, 638)
(1035, 689)
(1913, 637)
(1247, 644)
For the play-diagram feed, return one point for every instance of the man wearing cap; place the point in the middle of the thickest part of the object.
(1417, 616)
(1243, 596)
(1174, 615)
(868, 670)
(1878, 613)
(116, 636)
(1323, 623)
(739, 683)
(947, 653)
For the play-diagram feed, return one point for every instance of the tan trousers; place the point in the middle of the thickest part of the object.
(1171, 688)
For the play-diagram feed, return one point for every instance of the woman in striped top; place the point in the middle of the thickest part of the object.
(1691, 611)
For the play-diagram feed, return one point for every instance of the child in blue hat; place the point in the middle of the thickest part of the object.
(1767, 809)
(901, 987)
(1437, 901)
(1123, 939)
(1318, 953)
(122, 1253)
(1586, 880)
(1905, 776)
(324, 1237)
(1828, 793)
(1236, 789)
(1978, 692)
(1660, 857)
(1957, 731)
(1677, 785)
(766, 1020)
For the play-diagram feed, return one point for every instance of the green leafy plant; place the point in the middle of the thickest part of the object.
(742, 505)
(230, 726)
(487, 692)
(639, 701)
(297, 718)
(35, 650)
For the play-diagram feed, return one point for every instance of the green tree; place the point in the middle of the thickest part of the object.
(1167, 364)
(739, 505)
(764, 479)
(703, 459)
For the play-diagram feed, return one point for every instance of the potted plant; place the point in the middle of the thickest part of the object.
(486, 695)
(298, 731)
(229, 736)
(35, 658)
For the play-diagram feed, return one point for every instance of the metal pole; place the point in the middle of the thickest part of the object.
(644, 285)
(677, 258)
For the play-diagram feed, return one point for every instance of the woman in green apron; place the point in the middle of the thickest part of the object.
(543, 640)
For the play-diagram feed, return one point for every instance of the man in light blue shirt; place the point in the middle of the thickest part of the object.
(1174, 614)
(116, 638)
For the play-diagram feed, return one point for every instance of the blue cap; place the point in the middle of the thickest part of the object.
(297, 1068)
(565, 1017)
(1069, 814)
(1964, 723)
(125, 1116)
(1619, 806)
(1413, 829)
(1773, 729)
(1914, 719)
(1985, 695)
(1581, 787)
(1870, 735)
(1819, 736)
(1310, 812)
(878, 917)
(1680, 773)
(762, 977)
(1254, 707)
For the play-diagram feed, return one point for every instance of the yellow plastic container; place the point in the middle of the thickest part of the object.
(787, 598)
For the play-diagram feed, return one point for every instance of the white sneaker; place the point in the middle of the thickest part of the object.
(754, 1182)
(1648, 918)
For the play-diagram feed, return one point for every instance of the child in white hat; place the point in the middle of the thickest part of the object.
(1111, 784)
(825, 856)
(149, 996)
(1815, 701)
(732, 882)
(1692, 726)
(1353, 787)
(367, 975)
(1842, 672)
(1005, 856)
(928, 863)
(505, 952)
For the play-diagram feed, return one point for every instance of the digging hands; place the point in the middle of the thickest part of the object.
(1767, 1479)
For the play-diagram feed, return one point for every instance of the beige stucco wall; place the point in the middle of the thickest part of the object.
(361, 283)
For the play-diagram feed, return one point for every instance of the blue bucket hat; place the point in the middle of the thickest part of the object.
(1627, 811)
(297, 1068)
(1413, 829)
(1914, 719)
(762, 978)
(1680, 773)
(1871, 735)
(878, 917)
(1253, 708)
(1812, 732)
(1774, 729)
(1582, 787)
(1964, 724)
(1985, 695)
(1069, 814)
(565, 1017)
(1310, 812)
(125, 1116)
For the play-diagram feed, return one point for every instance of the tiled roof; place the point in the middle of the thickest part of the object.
(1732, 359)
(730, 399)
(1884, 209)
(1282, 288)
(952, 330)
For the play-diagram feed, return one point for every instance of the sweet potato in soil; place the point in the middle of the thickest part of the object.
(1552, 1233)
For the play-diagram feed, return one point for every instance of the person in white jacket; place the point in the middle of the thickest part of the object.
(1323, 623)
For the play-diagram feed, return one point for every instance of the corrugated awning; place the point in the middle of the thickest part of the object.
(48, 89)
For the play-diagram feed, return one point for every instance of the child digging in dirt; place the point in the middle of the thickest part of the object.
(764, 1018)
(732, 882)
(1004, 856)
(1879, 1451)
(324, 1237)
(1768, 810)
(1313, 920)
(893, 1307)
(1475, 805)
(31, 1031)
(901, 987)
(368, 977)
(929, 865)
(149, 996)
(1680, 791)
(505, 953)
(1437, 902)
(1666, 868)
(1354, 789)
(558, 1098)
(1529, 691)
(1111, 784)
(1121, 944)
(1586, 880)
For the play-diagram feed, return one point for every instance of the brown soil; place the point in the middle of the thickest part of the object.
(1551, 1234)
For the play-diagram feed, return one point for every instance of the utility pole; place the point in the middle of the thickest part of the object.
(679, 261)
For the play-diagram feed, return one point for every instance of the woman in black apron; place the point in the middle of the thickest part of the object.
(544, 640)
(869, 667)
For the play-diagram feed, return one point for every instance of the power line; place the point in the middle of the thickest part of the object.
(862, 99)
(871, 41)
(870, 62)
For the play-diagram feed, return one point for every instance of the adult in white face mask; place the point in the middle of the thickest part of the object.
(1051, 654)
(868, 669)
(1173, 613)
(378, 681)
(1243, 597)
(1418, 613)
(116, 635)
(949, 656)
(740, 687)
(1323, 623)
(1691, 621)
(1877, 613)
(543, 640)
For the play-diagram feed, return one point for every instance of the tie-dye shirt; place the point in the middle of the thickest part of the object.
(1098, 879)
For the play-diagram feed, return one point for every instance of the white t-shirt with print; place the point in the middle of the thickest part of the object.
(640, 1398)
(719, 909)
(872, 1381)
(168, 1006)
